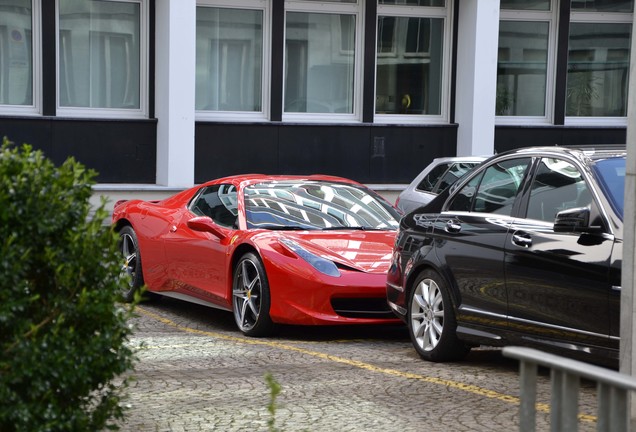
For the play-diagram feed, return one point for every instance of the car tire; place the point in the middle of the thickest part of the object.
(251, 297)
(129, 247)
(431, 320)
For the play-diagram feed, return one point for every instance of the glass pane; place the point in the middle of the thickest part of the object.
(436, 3)
(319, 63)
(522, 68)
(603, 5)
(525, 4)
(16, 57)
(598, 69)
(229, 60)
(498, 189)
(409, 65)
(557, 186)
(99, 51)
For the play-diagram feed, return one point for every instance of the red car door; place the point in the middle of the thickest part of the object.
(198, 261)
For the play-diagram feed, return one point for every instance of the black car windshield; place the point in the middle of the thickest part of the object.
(611, 173)
(316, 205)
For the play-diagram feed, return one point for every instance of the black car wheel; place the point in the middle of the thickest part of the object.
(431, 320)
(129, 247)
(250, 297)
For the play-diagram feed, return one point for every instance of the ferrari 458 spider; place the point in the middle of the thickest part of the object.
(272, 249)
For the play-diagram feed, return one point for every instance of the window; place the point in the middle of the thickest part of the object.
(231, 66)
(322, 61)
(525, 64)
(557, 186)
(598, 61)
(19, 56)
(102, 58)
(412, 56)
(494, 191)
(218, 203)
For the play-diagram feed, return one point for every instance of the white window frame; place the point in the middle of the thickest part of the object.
(357, 10)
(601, 18)
(86, 112)
(35, 109)
(445, 13)
(551, 17)
(246, 116)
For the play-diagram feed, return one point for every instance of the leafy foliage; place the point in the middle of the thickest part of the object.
(63, 333)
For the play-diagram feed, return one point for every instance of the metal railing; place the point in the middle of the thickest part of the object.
(565, 374)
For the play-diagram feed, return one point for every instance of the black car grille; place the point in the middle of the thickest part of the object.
(362, 307)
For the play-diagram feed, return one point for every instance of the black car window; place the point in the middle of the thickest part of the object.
(498, 186)
(217, 202)
(455, 172)
(557, 185)
(428, 182)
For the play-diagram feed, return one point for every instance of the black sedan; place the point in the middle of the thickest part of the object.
(526, 250)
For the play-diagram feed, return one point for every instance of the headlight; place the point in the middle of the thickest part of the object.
(323, 265)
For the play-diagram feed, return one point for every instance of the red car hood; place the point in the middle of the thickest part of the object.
(367, 251)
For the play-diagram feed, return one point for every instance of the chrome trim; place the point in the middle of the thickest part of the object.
(482, 312)
(556, 327)
(398, 309)
(395, 287)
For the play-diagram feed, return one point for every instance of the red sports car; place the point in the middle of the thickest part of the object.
(272, 249)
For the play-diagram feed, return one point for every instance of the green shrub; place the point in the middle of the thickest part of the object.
(62, 332)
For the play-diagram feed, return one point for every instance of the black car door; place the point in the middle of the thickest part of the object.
(469, 239)
(557, 282)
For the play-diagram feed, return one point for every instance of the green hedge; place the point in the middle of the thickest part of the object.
(63, 334)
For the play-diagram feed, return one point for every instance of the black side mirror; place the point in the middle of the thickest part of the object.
(574, 220)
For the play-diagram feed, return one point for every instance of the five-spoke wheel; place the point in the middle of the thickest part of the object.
(250, 297)
(129, 247)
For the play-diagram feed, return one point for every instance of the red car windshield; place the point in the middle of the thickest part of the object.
(316, 205)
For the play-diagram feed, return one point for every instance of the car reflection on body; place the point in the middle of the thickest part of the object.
(437, 176)
(525, 250)
(273, 249)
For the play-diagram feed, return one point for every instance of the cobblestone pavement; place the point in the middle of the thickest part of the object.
(197, 372)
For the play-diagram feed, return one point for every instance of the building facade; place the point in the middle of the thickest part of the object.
(176, 92)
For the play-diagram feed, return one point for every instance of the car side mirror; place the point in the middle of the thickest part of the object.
(205, 224)
(574, 220)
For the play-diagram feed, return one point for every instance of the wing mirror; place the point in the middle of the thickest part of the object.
(205, 224)
(574, 220)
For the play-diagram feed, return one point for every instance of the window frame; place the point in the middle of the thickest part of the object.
(591, 17)
(144, 50)
(357, 10)
(437, 12)
(35, 109)
(551, 17)
(246, 116)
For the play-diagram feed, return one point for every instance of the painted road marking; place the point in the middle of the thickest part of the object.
(468, 388)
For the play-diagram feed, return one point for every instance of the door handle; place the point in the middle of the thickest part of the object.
(173, 228)
(453, 226)
(522, 239)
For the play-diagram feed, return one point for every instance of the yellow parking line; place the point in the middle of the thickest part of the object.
(469, 388)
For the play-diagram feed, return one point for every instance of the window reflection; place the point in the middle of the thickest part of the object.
(16, 57)
(99, 54)
(229, 59)
(522, 68)
(598, 69)
(315, 205)
(319, 63)
(409, 65)
(603, 5)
